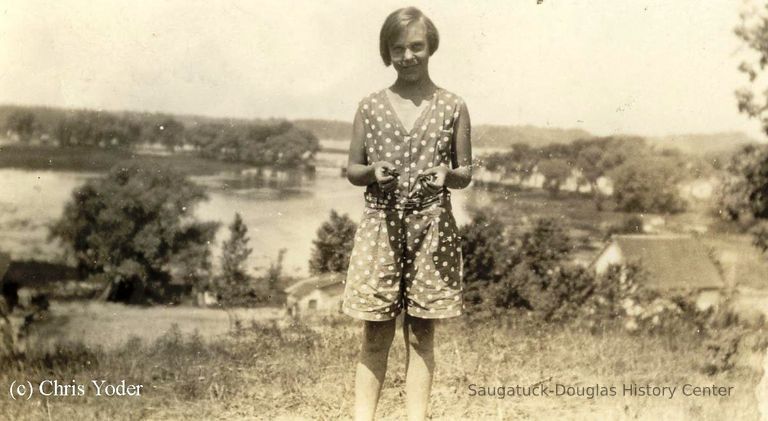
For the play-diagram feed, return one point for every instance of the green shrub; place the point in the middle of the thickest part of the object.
(133, 227)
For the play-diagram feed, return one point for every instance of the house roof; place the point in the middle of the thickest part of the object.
(671, 261)
(322, 281)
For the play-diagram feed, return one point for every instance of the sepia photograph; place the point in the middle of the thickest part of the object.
(497, 210)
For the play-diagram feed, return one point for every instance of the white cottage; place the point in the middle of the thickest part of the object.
(318, 294)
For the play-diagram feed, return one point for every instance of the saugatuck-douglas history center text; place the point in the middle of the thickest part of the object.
(599, 390)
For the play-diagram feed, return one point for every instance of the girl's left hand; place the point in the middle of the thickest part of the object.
(435, 179)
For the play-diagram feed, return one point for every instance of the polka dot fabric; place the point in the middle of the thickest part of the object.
(424, 146)
(407, 254)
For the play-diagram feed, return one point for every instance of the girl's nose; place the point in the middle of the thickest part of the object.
(408, 54)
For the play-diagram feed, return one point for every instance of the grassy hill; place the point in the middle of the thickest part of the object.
(306, 370)
(704, 143)
(326, 129)
(489, 136)
(498, 136)
(492, 136)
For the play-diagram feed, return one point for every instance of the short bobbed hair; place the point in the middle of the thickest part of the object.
(396, 23)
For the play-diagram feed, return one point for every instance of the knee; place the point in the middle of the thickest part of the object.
(421, 336)
(377, 339)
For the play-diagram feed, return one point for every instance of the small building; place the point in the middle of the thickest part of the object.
(206, 299)
(700, 189)
(318, 294)
(673, 263)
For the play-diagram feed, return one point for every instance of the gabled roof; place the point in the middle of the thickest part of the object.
(322, 281)
(670, 261)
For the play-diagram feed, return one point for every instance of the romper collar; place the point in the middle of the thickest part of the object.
(419, 121)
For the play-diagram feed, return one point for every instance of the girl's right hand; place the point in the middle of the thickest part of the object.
(386, 175)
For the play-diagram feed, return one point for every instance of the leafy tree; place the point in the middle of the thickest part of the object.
(546, 246)
(263, 289)
(518, 163)
(495, 162)
(491, 258)
(555, 171)
(21, 122)
(92, 128)
(648, 184)
(744, 191)
(596, 157)
(235, 252)
(275, 271)
(530, 272)
(746, 188)
(132, 227)
(487, 250)
(278, 144)
(291, 148)
(590, 161)
(753, 32)
(567, 293)
(332, 248)
(169, 132)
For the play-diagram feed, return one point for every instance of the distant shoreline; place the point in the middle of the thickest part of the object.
(91, 159)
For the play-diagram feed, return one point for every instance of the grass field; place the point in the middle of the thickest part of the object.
(306, 371)
(78, 322)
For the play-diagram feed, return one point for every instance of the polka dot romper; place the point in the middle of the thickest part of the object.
(406, 253)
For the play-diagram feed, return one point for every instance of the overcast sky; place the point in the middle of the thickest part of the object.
(607, 66)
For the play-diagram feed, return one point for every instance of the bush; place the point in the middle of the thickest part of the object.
(133, 227)
(235, 252)
(254, 291)
(488, 250)
(648, 184)
(530, 272)
(333, 246)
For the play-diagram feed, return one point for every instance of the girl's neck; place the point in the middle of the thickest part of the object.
(414, 90)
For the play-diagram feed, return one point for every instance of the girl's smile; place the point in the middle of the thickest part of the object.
(410, 53)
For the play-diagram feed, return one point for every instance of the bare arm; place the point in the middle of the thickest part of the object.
(460, 175)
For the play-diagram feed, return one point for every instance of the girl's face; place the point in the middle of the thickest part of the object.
(410, 53)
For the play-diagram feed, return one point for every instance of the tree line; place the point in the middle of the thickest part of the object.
(278, 143)
(643, 178)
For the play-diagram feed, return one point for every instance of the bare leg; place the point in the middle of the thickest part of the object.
(420, 365)
(372, 366)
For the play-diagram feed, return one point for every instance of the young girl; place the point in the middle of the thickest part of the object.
(410, 144)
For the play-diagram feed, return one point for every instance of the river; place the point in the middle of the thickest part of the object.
(281, 210)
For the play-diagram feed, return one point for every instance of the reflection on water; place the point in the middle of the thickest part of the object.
(262, 183)
(282, 209)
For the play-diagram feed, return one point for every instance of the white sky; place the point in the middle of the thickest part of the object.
(631, 66)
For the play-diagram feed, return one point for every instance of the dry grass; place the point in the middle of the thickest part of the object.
(306, 371)
(109, 325)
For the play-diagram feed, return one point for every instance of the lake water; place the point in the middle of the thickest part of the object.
(281, 210)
